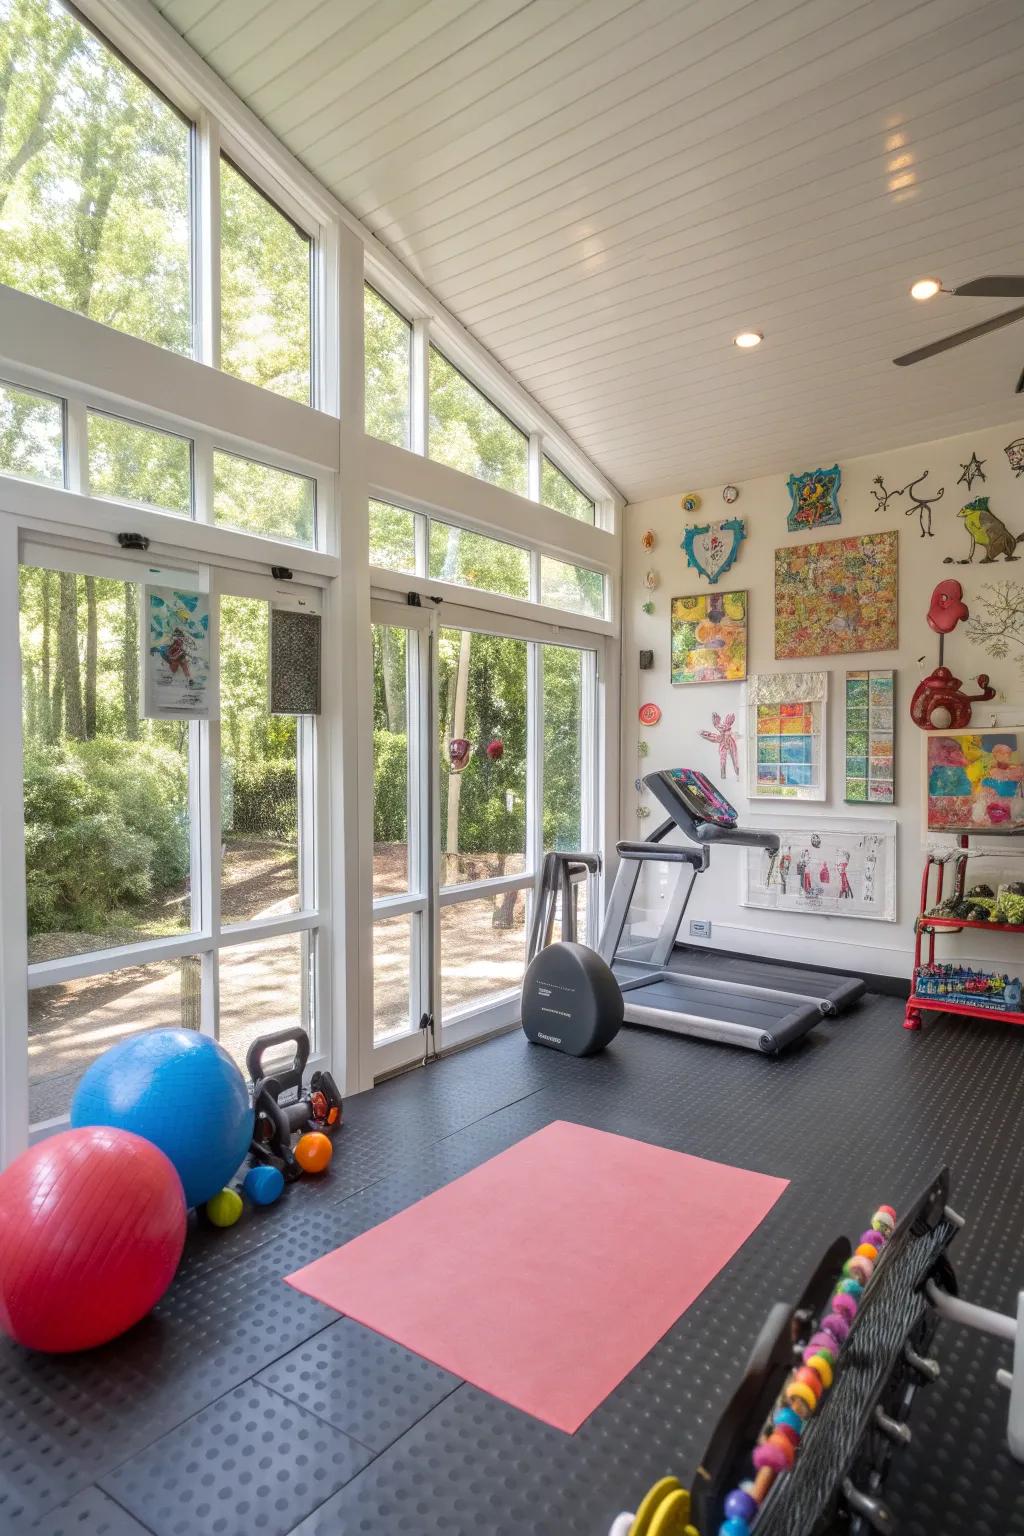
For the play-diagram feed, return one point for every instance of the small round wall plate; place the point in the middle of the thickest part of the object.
(648, 539)
(691, 502)
(651, 580)
(647, 607)
(649, 714)
(730, 493)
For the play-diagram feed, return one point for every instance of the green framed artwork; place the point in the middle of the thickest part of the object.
(709, 638)
(870, 738)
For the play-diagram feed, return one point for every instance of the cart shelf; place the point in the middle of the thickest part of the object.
(929, 927)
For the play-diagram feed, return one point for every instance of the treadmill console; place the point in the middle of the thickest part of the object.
(694, 794)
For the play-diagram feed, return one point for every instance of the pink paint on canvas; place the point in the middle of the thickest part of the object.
(547, 1273)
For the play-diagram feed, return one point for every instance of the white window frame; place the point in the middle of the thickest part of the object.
(427, 896)
(208, 936)
(61, 354)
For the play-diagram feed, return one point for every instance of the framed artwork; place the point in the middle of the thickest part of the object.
(787, 719)
(838, 596)
(974, 781)
(709, 638)
(870, 737)
(177, 679)
(844, 867)
(814, 499)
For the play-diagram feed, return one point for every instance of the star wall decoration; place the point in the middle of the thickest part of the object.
(972, 471)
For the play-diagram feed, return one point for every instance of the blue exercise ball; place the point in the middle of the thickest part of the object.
(263, 1184)
(181, 1091)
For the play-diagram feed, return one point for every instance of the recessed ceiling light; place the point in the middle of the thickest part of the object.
(748, 339)
(925, 288)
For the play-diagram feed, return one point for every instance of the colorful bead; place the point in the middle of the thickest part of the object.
(881, 1221)
(822, 1368)
(845, 1305)
(782, 1444)
(786, 1418)
(775, 1456)
(887, 1210)
(787, 1434)
(837, 1326)
(741, 1505)
(865, 1251)
(850, 1288)
(810, 1378)
(801, 1399)
(861, 1269)
(763, 1483)
(873, 1240)
(821, 1340)
(734, 1527)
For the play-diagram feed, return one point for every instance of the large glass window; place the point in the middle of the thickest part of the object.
(558, 491)
(106, 793)
(563, 746)
(483, 950)
(266, 986)
(387, 342)
(392, 537)
(133, 463)
(473, 560)
(482, 706)
(391, 872)
(257, 498)
(70, 1023)
(467, 432)
(573, 588)
(94, 179)
(31, 435)
(266, 290)
(259, 774)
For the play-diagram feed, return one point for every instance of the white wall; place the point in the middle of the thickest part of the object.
(884, 948)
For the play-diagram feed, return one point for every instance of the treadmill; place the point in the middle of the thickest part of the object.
(759, 1005)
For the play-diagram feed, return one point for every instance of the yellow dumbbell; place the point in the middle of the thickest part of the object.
(664, 1511)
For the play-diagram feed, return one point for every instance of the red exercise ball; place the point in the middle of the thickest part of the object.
(92, 1224)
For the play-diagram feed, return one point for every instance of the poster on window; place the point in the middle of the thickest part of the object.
(176, 657)
(838, 868)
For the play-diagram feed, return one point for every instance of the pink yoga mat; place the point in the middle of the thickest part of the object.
(547, 1273)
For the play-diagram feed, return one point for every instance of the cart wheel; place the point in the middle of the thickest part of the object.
(912, 1017)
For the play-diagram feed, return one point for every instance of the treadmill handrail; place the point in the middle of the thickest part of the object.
(659, 854)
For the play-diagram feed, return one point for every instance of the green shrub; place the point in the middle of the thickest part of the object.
(105, 830)
(264, 800)
(390, 787)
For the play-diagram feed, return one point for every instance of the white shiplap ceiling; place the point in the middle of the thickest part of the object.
(606, 191)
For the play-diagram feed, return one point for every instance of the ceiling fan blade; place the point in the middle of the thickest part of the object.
(959, 337)
(992, 288)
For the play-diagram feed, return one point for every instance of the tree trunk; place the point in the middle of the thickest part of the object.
(67, 654)
(130, 663)
(392, 662)
(458, 731)
(57, 707)
(46, 727)
(91, 653)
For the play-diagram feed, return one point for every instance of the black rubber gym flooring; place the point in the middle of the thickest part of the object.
(241, 1407)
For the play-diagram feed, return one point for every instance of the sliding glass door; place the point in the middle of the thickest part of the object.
(484, 758)
(171, 864)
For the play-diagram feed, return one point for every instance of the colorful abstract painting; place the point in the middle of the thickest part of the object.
(975, 781)
(870, 736)
(709, 638)
(838, 596)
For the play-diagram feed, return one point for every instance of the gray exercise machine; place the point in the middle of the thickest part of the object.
(567, 992)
